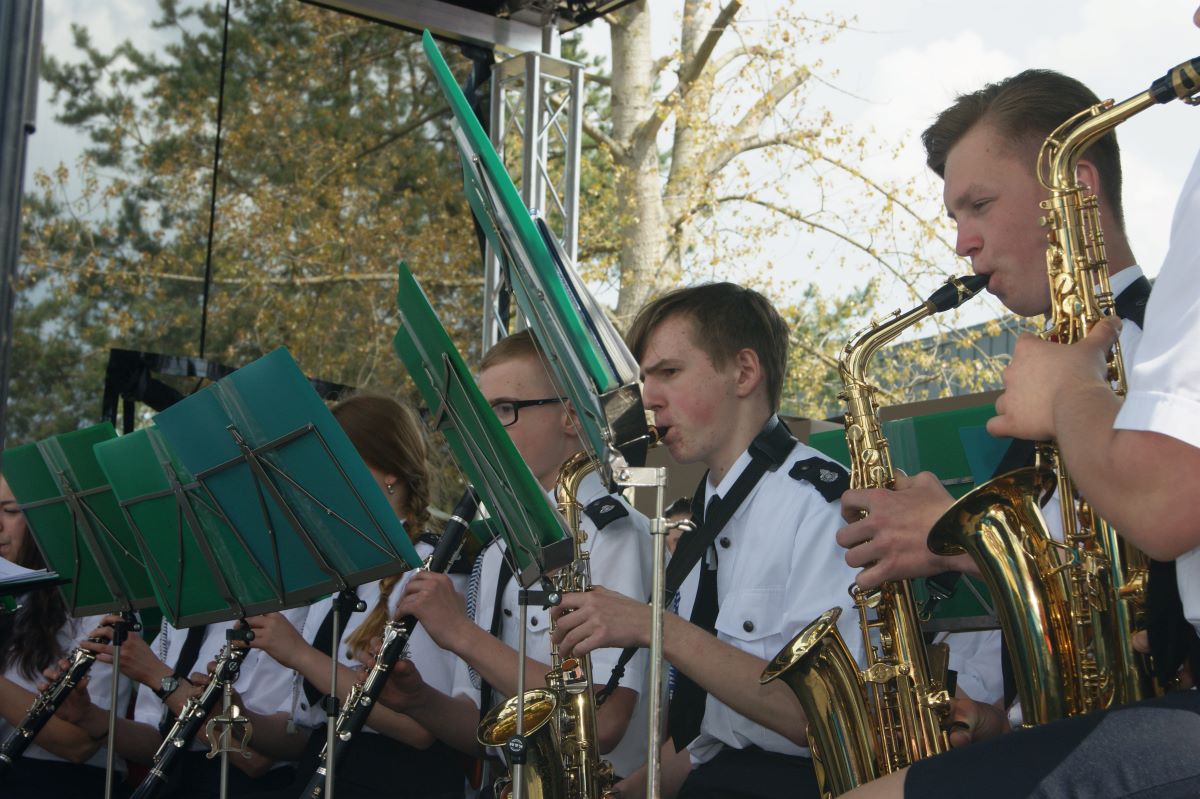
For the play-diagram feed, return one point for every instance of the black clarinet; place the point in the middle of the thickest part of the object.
(191, 718)
(45, 705)
(362, 696)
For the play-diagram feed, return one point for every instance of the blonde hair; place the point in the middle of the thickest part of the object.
(389, 437)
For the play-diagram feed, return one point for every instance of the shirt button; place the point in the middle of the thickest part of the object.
(748, 626)
(533, 622)
(725, 542)
(507, 612)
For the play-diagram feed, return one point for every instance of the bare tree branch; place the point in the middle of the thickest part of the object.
(604, 140)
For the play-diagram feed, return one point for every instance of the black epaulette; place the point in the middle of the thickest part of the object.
(827, 476)
(605, 511)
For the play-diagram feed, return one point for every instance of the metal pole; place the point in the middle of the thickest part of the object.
(20, 48)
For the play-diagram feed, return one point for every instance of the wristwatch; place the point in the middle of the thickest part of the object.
(166, 686)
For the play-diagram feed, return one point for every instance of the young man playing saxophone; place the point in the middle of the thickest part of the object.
(985, 146)
(514, 379)
(1138, 461)
(713, 359)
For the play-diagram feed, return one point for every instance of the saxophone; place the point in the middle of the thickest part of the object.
(862, 725)
(562, 759)
(1068, 609)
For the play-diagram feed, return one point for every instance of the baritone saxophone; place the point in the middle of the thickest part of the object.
(864, 724)
(1068, 609)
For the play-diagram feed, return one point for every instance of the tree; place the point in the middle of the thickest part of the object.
(336, 164)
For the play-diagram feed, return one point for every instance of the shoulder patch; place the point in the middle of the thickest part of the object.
(605, 511)
(828, 477)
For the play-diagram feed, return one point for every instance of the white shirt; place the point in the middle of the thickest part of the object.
(1164, 382)
(778, 569)
(435, 664)
(620, 561)
(99, 687)
(261, 683)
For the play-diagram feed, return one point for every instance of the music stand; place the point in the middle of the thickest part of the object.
(291, 486)
(73, 513)
(535, 534)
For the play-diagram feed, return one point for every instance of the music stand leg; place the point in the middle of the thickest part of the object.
(121, 631)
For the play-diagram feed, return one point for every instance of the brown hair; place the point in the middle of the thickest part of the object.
(389, 437)
(521, 344)
(29, 636)
(725, 318)
(1024, 110)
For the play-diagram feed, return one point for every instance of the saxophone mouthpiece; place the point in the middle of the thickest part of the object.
(956, 291)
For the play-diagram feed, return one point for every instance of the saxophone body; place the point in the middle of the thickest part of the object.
(1068, 609)
(562, 757)
(45, 705)
(864, 724)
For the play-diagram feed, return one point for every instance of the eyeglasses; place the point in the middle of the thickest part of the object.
(506, 411)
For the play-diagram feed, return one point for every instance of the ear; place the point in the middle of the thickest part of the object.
(570, 420)
(1087, 174)
(750, 374)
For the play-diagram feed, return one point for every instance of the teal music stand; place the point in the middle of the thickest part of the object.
(535, 533)
(77, 524)
(585, 353)
(296, 495)
(201, 570)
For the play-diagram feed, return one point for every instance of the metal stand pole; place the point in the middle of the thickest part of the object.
(121, 631)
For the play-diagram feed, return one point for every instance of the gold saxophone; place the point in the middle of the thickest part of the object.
(562, 759)
(1068, 609)
(862, 725)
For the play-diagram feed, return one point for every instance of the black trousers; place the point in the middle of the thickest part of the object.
(752, 773)
(1148, 750)
(32, 778)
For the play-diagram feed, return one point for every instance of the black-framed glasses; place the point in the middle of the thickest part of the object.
(506, 411)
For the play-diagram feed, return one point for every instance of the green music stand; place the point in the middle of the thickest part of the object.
(585, 353)
(202, 572)
(535, 533)
(77, 523)
(292, 489)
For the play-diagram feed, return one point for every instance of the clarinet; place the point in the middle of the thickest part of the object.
(362, 695)
(45, 705)
(191, 718)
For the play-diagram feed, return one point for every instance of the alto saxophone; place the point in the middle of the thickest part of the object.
(563, 748)
(1068, 609)
(862, 725)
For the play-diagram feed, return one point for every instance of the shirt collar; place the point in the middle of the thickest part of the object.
(1124, 279)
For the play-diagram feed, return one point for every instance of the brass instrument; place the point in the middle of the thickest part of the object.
(862, 725)
(562, 757)
(1067, 609)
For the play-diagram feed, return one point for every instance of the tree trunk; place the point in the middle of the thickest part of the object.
(643, 229)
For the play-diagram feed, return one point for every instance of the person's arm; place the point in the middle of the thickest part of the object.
(276, 636)
(602, 618)
(889, 543)
(59, 737)
(454, 720)
(1141, 482)
(674, 769)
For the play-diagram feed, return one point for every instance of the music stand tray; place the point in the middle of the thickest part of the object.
(78, 525)
(294, 495)
(535, 533)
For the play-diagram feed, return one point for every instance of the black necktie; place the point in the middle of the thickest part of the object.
(686, 710)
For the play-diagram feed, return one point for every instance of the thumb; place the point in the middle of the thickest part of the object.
(1104, 333)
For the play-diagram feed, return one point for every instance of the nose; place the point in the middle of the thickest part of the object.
(967, 242)
(652, 398)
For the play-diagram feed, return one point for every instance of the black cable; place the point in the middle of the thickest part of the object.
(212, 201)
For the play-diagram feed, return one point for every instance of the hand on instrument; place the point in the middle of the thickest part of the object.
(1040, 371)
(442, 611)
(974, 721)
(590, 620)
(403, 688)
(890, 542)
(276, 636)
(138, 661)
(78, 703)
